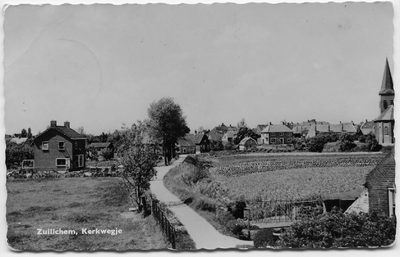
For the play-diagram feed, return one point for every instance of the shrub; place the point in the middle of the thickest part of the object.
(264, 238)
(235, 227)
(336, 229)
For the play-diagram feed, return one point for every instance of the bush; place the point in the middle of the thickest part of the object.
(336, 229)
(264, 238)
(235, 227)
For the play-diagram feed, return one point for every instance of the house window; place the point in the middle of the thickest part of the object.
(272, 140)
(281, 140)
(281, 133)
(184, 150)
(45, 145)
(386, 130)
(289, 140)
(272, 134)
(61, 162)
(392, 202)
(61, 146)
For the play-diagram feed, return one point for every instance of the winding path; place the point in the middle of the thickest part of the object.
(203, 233)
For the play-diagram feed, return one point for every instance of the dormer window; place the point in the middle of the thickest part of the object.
(61, 146)
(45, 145)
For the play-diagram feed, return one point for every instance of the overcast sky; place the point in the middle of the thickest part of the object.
(99, 66)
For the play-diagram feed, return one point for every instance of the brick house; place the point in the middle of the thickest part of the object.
(276, 134)
(59, 148)
(201, 141)
(380, 183)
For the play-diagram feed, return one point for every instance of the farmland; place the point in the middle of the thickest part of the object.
(291, 177)
(73, 204)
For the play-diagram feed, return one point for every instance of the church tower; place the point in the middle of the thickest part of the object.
(387, 90)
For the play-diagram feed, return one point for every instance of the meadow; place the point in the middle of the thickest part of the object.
(75, 204)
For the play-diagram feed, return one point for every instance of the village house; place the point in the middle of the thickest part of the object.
(59, 148)
(186, 145)
(201, 141)
(276, 134)
(215, 138)
(101, 146)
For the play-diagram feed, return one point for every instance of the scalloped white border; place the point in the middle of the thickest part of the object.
(4, 249)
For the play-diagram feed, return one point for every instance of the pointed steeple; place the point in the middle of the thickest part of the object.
(387, 82)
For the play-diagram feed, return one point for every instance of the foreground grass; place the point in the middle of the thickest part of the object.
(75, 204)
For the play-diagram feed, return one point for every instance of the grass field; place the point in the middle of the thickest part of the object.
(76, 204)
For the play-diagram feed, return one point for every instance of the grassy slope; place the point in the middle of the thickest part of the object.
(76, 203)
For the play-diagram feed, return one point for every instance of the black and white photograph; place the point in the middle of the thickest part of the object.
(169, 126)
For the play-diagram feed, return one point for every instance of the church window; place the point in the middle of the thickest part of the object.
(391, 102)
(386, 130)
(385, 104)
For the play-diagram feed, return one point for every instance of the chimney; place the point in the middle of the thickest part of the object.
(66, 124)
(53, 123)
(270, 123)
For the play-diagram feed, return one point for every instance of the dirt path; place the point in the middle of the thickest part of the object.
(203, 233)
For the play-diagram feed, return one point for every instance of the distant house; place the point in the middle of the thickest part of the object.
(300, 130)
(343, 127)
(228, 136)
(367, 127)
(215, 138)
(247, 143)
(276, 134)
(18, 140)
(59, 148)
(201, 141)
(8, 138)
(100, 146)
(186, 145)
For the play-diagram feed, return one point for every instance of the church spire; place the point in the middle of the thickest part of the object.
(387, 82)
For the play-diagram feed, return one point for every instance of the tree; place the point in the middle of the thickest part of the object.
(167, 123)
(242, 123)
(24, 133)
(81, 130)
(138, 157)
(16, 153)
(29, 133)
(245, 132)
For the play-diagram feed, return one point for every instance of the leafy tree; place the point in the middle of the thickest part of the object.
(24, 133)
(91, 153)
(29, 133)
(337, 229)
(167, 124)
(16, 153)
(242, 123)
(139, 157)
(245, 132)
(316, 144)
(81, 130)
(107, 154)
(347, 142)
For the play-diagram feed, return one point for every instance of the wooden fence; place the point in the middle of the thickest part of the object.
(166, 226)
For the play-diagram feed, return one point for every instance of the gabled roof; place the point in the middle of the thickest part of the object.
(195, 138)
(386, 115)
(100, 144)
(244, 140)
(385, 168)
(230, 133)
(67, 132)
(272, 128)
(186, 141)
(349, 127)
(336, 127)
(387, 82)
(18, 140)
(214, 135)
